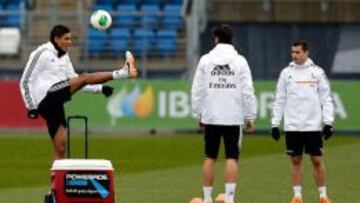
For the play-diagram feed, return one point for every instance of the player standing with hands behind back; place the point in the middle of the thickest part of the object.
(303, 97)
(222, 98)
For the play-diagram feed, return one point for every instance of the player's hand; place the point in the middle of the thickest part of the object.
(249, 126)
(275, 133)
(327, 132)
(201, 125)
(33, 113)
(107, 90)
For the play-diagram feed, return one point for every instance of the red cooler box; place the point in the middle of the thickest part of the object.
(82, 181)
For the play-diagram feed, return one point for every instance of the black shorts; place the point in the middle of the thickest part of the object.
(231, 136)
(51, 108)
(297, 142)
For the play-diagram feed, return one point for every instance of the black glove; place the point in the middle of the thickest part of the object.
(328, 131)
(275, 133)
(107, 90)
(33, 113)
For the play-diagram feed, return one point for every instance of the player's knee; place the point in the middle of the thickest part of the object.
(317, 163)
(84, 79)
(61, 149)
(296, 160)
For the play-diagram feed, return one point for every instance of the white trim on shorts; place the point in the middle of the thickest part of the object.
(59, 86)
(240, 137)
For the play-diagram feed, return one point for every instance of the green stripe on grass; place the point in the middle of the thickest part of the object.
(168, 169)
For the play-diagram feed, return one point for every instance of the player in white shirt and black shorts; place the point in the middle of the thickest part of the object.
(303, 98)
(49, 80)
(223, 100)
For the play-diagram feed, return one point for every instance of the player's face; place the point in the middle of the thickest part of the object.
(298, 55)
(64, 42)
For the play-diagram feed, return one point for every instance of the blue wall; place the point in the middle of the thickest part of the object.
(267, 46)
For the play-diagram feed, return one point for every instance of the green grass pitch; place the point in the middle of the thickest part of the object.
(155, 169)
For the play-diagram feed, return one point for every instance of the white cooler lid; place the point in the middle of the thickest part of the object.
(82, 164)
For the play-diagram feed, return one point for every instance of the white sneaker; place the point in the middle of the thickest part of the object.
(229, 201)
(130, 65)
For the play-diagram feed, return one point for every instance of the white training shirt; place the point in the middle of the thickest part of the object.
(43, 69)
(222, 90)
(303, 96)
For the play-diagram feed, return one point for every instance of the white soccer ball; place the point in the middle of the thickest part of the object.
(100, 19)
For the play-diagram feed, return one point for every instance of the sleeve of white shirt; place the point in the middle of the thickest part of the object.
(198, 90)
(87, 88)
(247, 91)
(326, 100)
(280, 99)
(35, 62)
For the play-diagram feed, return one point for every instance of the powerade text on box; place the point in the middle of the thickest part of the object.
(87, 184)
(82, 180)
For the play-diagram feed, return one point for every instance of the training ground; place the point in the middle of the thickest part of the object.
(154, 169)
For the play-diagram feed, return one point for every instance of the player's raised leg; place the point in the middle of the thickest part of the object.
(129, 70)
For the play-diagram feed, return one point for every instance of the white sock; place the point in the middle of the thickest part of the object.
(207, 193)
(230, 192)
(322, 191)
(120, 74)
(297, 190)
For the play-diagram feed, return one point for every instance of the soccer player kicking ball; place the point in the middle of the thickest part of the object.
(303, 97)
(49, 80)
